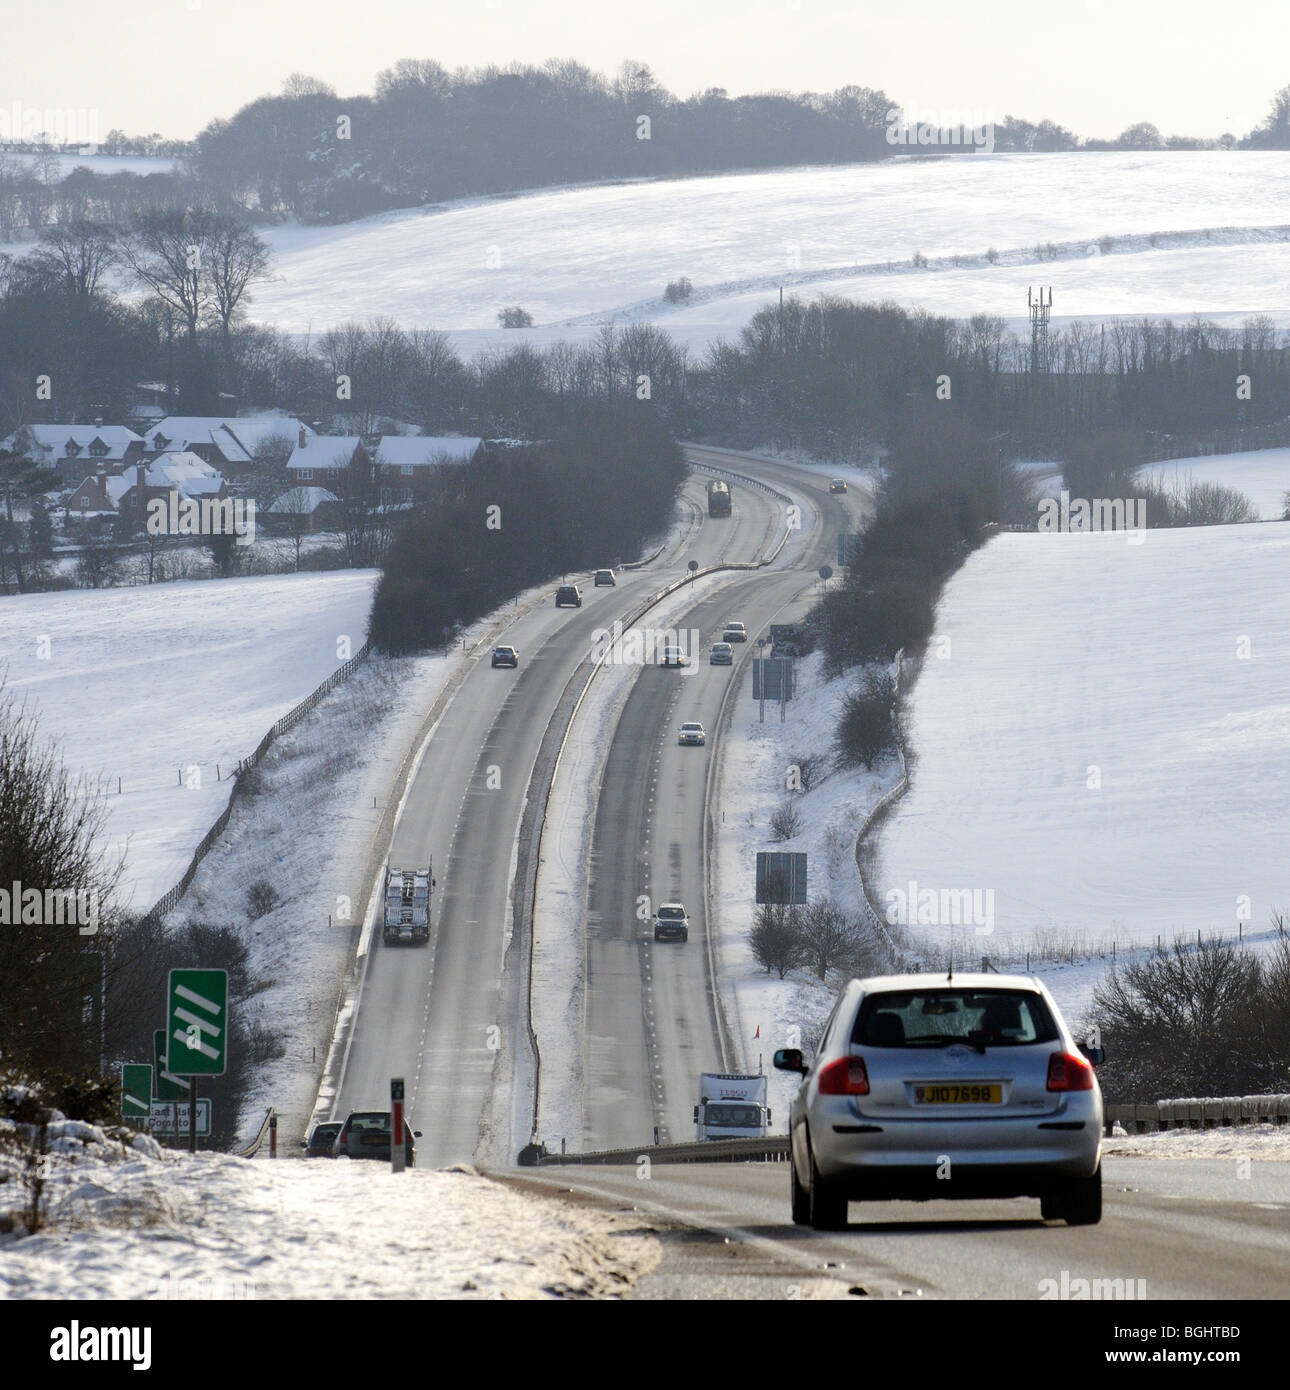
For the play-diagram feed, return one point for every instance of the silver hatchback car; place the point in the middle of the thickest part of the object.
(930, 1086)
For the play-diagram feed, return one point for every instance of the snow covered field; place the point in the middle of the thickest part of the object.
(1096, 748)
(809, 229)
(1263, 475)
(163, 685)
(141, 1223)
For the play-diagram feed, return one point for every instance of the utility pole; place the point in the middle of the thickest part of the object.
(1040, 310)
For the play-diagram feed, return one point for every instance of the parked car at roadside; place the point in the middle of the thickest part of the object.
(321, 1138)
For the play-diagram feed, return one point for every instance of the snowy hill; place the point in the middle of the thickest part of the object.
(159, 686)
(1218, 218)
(1097, 748)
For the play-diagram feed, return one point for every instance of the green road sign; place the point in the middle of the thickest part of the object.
(197, 1023)
(169, 1087)
(136, 1091)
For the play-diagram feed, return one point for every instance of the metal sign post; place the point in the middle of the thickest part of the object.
(761, 648)
(398, 1153)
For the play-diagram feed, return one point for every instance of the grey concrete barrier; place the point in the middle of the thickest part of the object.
(773, 1149)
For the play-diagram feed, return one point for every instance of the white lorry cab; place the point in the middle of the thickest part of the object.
(731, 1107)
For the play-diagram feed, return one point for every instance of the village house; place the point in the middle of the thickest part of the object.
(226, 444)
(407, 462)
(304, 511)
(326, 458)
(127, 494)
(72, 451)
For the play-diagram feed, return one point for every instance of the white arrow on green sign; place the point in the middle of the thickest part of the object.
(197, 1023)
(136, 1091)
(169, 1086)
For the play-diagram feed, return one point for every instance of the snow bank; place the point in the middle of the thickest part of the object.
(148, 1224)
(166, 687)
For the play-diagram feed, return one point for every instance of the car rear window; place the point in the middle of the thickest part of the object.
(372, 1120)
(939, 1017)
(676, 912)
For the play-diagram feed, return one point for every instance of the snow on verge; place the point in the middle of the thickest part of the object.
(754, 762)
(142, 1223)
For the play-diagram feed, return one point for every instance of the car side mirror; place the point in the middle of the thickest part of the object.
(416, 1134)
(768, 1115)
(1096, 1055)
(696, 1114)
(304, 1143)
(790, 1059)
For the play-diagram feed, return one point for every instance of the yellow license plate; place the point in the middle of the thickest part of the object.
(958, 1093)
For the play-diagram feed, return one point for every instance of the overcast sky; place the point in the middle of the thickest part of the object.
(1093, 65)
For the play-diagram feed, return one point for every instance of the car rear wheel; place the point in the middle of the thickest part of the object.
(1079, 1203)
(828, 1206)
(799, 1198)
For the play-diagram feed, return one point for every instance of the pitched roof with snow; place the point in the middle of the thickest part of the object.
(52, 440)
(325, 451)
(302, 501)
(187, 474)
(424, 450)
(236, 438)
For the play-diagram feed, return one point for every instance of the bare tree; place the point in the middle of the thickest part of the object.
(233, 258)
(163, 253)
(828, 936)
(294, 511)
(50, 824)
(776, 938)
(80, 253)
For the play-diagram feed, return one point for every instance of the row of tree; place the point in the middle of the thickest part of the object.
(591, 496)
(836, 377)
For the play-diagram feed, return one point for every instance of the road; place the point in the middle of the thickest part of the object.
(1189, 1228)
(652, 1024)
(443, 1015)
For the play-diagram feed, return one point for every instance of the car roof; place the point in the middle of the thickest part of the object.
(661, 906)
(968, 979)
(692, 724)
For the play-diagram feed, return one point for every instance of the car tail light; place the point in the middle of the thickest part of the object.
(848, 1076)
(1069, 1072)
